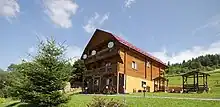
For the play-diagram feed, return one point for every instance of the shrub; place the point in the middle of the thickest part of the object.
(2, 100)
(104, 102)
(209, 68)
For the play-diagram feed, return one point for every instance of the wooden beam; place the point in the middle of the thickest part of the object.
(145, 68)
(93, 85)
(194, 82)
(183, 81)
(197, 82)
(206, 82)
(154, 85)
(117, 83)
(125, 68)
(151, 66)
(100, 83)
(203, 81)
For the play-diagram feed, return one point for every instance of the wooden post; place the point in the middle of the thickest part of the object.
(151, 70)
(183, 82)
(159, 83)
(154, 85)
(145, 69)
(194, 82)
(203, 77)
(93, 85)
(197, 82)
(117, 83)
(206, 82)
(125, 69)
(100, 83)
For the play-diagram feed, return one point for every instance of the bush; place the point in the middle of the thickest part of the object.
(209, 68)
(104, 102)
(2, 100)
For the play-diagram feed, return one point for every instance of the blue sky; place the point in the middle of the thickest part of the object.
(172, 30)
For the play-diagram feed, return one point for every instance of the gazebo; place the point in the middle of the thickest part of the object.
(160, 84)
(195, 85)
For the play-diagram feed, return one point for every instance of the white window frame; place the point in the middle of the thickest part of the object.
(134, 65)
(142, 84)
(148, 64)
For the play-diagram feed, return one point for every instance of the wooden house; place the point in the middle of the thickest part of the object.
(116, 66)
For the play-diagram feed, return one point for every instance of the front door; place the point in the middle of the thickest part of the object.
(121, 83)
(97, 84)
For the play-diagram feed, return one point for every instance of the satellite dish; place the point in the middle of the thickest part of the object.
(110, 44)
(84, 56)
(93, 52)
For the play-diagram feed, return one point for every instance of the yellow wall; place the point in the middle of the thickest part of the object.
(134, 83)
(134, 77)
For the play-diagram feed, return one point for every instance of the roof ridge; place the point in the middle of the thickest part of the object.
(136, 48)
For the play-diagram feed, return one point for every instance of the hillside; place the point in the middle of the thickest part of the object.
(202, 63)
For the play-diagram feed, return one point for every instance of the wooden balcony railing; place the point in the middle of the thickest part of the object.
(105, 53)
(102, 70)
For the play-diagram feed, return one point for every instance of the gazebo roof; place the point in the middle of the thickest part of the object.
(163, 78)
(195, 72)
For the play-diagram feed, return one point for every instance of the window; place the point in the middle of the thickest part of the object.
(108, 64)
(96, 82)
(143, 84)
(134, 65)
(148, 64)
(107, 82)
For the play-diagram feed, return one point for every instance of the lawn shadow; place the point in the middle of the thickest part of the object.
(26, 105)
(13, 104)
(19, 104)
(74, 93)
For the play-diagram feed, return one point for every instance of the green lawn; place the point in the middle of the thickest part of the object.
(83, 100)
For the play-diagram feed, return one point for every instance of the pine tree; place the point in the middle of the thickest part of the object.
(45, 76)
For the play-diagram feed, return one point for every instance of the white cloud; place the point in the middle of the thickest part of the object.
(95, 22)
(60, 11)
(9, 8)
(195, 51)
(74, 53)
(128, 3)
(213, 23)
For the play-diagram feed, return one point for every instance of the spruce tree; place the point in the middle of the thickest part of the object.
(45, 76)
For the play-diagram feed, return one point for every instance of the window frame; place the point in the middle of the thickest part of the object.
(134, 65)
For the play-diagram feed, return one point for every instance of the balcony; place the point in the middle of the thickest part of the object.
(105, 53)
(102, 70)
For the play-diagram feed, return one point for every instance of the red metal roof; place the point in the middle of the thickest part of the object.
(124, 42)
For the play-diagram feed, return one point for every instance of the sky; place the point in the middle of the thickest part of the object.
(172, 30)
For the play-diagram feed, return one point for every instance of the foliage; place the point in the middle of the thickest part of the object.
(2, 100)
(3, 84)
(77, 71)
(41, 80)
(203, 63)
(104, 102)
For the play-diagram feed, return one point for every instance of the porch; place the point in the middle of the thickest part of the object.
(160, 84)
(103, 80)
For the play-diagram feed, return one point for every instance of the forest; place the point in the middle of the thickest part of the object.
(202, 63)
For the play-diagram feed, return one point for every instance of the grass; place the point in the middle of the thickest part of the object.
(83, 100)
